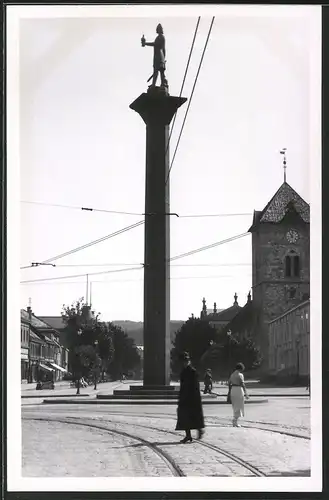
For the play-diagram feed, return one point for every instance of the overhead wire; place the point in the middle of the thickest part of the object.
(191, 252)
(208, 247)
(138, 263)
(191, 97)
(87, 209)
(84, 274)
(95, 242)
(181, 216)
(184, 78)
(131, 280)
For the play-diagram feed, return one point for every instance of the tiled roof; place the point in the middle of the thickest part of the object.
(243, 319)
(279, 205)
(55, 322)
(226, 314)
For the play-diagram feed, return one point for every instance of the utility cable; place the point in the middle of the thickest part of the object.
(186, 70)
(87, 209)
(100, 240)
(80, 275)
(208, 247)
(138, 263)
(191, 97)
(191, 216)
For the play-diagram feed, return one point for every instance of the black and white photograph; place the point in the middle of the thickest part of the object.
(164, 248)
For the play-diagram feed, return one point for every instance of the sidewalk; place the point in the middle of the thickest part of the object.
(63, 389)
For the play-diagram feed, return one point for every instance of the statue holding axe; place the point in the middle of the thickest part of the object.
(159, 57)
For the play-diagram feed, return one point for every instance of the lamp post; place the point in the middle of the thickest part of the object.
(96, 364)
(297, 353)
(229, 335)
(79, 332)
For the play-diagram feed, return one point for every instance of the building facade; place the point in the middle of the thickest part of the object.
(47, 358)
(280, 261)
(289, 344)
(25, 347)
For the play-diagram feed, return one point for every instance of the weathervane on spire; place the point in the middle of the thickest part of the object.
(283, 152)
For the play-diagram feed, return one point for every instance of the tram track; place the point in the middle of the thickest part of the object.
(171, 464)
(227, 424)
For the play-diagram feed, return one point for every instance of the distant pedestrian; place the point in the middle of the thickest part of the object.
(237, 393)
(189, 411)
(207, 382)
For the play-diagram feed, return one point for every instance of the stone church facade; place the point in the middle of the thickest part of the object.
(280, 260)
(280, 270)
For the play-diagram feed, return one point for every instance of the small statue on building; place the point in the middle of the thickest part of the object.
(159, 57)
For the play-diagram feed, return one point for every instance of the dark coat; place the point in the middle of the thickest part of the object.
(189, 411)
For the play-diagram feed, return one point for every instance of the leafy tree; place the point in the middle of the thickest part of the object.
(91, 345)
(194, 336)
(126, 357)
(222, 356)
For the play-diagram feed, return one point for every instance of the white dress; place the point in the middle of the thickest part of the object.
(237, 393)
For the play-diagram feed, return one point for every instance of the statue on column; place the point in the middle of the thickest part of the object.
(159, 57)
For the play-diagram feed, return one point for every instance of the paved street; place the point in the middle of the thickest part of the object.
(140, 440)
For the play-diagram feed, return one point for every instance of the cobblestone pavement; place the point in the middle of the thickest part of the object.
(140, 440)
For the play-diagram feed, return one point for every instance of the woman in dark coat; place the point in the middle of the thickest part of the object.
(189, 411)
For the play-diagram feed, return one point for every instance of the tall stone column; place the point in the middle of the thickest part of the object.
(157, 109)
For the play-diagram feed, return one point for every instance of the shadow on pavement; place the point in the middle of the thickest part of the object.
(296, 473)
(139, 445)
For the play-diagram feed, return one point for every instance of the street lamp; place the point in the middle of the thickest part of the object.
(297, 349)
(96, 364)
(229, 335)
(79, 332)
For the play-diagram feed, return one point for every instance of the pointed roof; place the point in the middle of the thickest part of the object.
(280, 204)
(226, 314)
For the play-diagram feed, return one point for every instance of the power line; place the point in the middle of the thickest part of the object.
(36, 282)
(208, 247)
(80, 275)
(139, 263)
(186, 70)
(87, 209)
(100, 240)
(189, 104)
(215, 215)
(139, 214)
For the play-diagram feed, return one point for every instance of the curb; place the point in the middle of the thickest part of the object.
(56, 396)
(139, 402)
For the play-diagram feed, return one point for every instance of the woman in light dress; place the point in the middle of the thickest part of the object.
(238, 392)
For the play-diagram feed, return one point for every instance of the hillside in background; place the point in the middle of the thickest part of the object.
(135, 329)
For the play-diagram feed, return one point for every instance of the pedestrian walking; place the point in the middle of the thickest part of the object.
(207, 382)
(189, 411)
(237, 393)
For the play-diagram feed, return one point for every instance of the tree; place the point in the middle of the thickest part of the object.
(222, 356)
(126, 356)
(90, 341)
(194, 336)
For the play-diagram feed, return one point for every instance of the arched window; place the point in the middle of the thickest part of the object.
(292, 265)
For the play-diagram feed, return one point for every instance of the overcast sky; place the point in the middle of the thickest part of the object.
(81, 145)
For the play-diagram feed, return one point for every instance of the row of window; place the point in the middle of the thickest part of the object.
(25, 332)
(41, 351)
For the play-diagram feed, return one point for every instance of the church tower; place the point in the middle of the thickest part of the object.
(280, 259)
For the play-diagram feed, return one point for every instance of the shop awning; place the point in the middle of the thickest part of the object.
(60, 368)
(44, 367)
